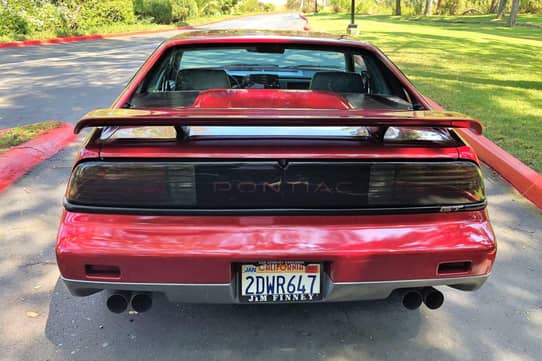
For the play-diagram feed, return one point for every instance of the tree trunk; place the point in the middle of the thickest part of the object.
(493, 6)
(438, 7)
(502, 9)
(397, 7)
(428, 7)
(513, 13)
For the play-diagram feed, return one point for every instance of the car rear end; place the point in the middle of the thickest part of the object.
(242, 217)
(324, 178)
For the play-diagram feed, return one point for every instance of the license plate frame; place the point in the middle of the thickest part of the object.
(288, 297)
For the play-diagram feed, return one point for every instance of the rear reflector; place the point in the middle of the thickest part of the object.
(454, 267)
(101, 271)
(274, 185)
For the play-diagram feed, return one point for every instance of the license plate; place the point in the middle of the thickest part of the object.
(280, 282)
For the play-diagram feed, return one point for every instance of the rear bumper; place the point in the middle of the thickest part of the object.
(227, 293)
(197, 258)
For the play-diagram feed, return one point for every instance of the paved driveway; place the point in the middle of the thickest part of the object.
(39, 320)
(63, 82)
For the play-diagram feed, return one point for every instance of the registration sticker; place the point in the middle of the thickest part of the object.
(280, 282)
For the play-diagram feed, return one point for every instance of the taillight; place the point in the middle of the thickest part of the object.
(276, 185)
(418, 184)
(132, 184)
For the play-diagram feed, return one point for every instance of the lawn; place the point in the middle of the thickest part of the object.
(18, 135)
(489, 72)
(532, 19)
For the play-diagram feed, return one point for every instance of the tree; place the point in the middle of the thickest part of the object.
(513, 13)
(438, 6)
(428, 7)
(493, 6)
(501, 9)
(397, 7)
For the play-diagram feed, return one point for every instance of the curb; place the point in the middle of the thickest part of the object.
(20, 159)
(306, 27)
(525, 179)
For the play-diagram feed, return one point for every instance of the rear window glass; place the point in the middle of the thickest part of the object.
(231, 58)
(183, 77)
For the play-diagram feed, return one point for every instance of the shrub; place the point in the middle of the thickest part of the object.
(530, 6)
(209, 7)
(249, 5)
(160, 11)
(13, 22)
(183, 9)
(268, 7)
(139, 7)
(95, 12)
(451, 7)
(46, 17)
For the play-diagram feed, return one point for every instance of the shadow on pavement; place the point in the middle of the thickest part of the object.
(236, 332)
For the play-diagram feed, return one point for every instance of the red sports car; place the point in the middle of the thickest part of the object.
(267, 167)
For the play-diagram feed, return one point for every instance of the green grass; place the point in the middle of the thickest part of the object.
(535, 19)
(489, 72)
(19, 135)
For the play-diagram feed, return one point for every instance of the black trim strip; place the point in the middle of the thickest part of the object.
(275, 211)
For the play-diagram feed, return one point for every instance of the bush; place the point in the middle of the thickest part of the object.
(183, 9)
(268, 7)
(46, 18)
(13, 22)
(451, 7)
(530, 6)
(95, 13)
(308, 5)
(209, 7)
(139, 7)
(159, 10)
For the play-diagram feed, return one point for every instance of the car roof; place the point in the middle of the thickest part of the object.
(280, 36)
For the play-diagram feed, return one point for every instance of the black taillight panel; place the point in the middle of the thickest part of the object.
(230, 185)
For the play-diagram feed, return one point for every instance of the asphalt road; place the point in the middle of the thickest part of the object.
(39, 320)
(63, 82)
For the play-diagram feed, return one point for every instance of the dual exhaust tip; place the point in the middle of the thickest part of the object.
(119, 301)
(141, 302)
(429, 296)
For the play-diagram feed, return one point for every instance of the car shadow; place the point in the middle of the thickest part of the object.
(205, 332)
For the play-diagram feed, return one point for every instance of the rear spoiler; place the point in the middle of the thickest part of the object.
(275, 117)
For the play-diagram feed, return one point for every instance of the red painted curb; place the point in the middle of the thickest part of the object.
(20, 159)
(306, 27)
(526, 180)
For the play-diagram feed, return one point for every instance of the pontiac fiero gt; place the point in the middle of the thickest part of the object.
(273, 167)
